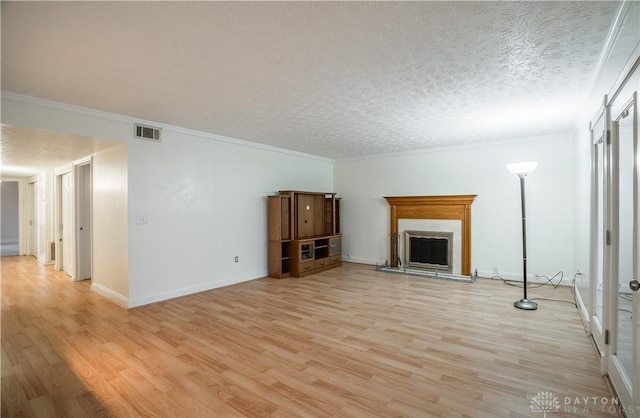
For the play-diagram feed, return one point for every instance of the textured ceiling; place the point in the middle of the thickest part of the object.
(26, 151)
(331, 79)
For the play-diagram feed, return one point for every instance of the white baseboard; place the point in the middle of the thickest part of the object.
(584, 315)
(361, 260)
(133, 303)
(110, 294)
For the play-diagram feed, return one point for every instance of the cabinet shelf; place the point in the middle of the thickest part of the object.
(303, 231)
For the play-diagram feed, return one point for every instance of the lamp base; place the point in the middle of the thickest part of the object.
(526, 304)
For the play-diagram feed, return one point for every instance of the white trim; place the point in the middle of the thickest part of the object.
(609, 43)
(191, 290)
(23, 216)
(82, 161)
(176, 129)
(357, 260)
(110, 294)
(78, 193)
(476, 145)
(64, 169)
(627, 72)
(582, 309)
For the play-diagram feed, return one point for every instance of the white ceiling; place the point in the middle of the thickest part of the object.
(334, 79)
(26, 151)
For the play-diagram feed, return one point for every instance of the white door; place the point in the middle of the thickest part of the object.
(84, 222)
(33, 219)
(599, 156)
(624, 354)
(66, 225)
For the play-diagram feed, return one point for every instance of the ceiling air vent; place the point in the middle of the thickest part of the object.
(146, 132)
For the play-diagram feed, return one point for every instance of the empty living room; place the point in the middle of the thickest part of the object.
(308, 209)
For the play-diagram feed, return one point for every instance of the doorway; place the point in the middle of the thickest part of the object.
(615, 242)
(66, 228)
(599, 210)
(83, 197)
(622, 301)
(74, 221)
(9, 218)
(34, 227)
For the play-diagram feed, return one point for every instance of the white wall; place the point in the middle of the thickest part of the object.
(205, 203)
(582, 211)
(203, 197)
(496, 217)
(109, 224)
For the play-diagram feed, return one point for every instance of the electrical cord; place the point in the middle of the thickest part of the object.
(555, 286)
(557, 300)
(532, 286)
(548, 282)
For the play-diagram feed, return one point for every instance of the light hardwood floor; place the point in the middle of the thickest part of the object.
(347, 342)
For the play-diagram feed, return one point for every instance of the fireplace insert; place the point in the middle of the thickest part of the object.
(432, 250)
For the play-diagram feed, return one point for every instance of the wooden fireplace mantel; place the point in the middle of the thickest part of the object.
(456, 207)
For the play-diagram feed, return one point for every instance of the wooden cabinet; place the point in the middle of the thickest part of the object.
(304, 233)
(316, 255)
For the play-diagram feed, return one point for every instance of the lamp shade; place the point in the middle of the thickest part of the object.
(522, 168)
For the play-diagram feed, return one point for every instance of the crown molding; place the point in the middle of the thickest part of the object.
(114, 117)
(476, 145)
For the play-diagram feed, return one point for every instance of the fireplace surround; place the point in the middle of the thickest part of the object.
(455, 207)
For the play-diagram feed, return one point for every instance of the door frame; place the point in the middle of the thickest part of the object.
(33, 212)
(83, 261)
(596, 325)
(627, 386)
(75, 170)
(58, 207)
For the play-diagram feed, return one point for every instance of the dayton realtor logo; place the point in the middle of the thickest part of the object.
(545, 402)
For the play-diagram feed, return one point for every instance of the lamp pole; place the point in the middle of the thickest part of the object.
(521, 170)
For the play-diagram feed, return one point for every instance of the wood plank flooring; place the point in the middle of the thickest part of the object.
(349, 342)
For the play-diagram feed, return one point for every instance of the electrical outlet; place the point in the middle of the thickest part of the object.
(237, 259)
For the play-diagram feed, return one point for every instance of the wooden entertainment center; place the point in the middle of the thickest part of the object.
(304, 233)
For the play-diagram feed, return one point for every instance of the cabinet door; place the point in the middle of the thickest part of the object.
(306, 251)
(279, 218)
(285, 218)
(318, 215)
(304, 212)
(335, 246)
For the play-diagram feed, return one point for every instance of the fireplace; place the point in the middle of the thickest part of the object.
(448, 207)
(431, 250)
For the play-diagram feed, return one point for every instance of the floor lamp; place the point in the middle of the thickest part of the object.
(521, 170)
